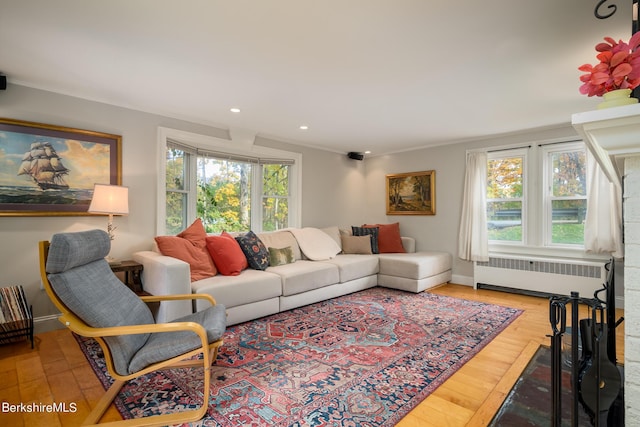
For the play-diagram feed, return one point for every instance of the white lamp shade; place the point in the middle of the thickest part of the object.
(110, 199)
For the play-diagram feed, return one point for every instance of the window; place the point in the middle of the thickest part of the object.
(565, 198)
(275, 196)
(224, 188)
(506, 209)
(537, 196)
(229, 191)
(177, 190)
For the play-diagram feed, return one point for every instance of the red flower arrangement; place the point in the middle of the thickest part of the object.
(619, 67)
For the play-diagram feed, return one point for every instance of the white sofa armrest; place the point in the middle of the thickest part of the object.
(164, 275)
(409, 244)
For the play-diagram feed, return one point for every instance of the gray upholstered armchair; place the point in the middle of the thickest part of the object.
(95, 303)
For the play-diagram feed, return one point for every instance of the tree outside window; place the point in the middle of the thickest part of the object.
(505, 198)
(226, 192)
(568, 196)
(275, 199)
(552, 191)
(176, 190)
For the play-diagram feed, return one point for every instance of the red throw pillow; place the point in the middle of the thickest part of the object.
(190, 246)
(389, 240)
(227, 254)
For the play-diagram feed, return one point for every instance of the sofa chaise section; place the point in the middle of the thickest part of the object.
(414, 272)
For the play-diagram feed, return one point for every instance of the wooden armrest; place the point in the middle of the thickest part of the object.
(81, 328)
(156, 298)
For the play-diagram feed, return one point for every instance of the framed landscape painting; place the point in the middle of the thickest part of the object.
(412, 193)
(48, 170)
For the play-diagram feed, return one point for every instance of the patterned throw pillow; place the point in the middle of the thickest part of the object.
(255, 251)
(281, 256)
(363, 231)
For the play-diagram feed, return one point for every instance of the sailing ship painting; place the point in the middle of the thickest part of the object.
(51, 170)
(44, 166)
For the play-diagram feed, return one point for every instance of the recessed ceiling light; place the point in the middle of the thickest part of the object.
(234, 110)
(304, 127)
(367, 152)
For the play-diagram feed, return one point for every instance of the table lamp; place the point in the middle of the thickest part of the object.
(110, 200)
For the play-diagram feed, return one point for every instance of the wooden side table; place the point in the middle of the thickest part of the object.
(132, 275)
(133, 279)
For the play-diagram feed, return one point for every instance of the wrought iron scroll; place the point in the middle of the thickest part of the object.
(612, 7)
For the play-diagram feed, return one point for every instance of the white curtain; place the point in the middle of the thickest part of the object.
(603, 222)
(473, 244)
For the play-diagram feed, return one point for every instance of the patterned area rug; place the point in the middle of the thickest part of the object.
(362, 359)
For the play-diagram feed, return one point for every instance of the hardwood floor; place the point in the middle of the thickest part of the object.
(57, 372)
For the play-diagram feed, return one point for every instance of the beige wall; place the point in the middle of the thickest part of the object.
(335, 189)
(332, 186)
(440, 232)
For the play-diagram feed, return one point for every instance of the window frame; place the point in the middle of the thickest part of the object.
(223, 146)
(546, 151)
(503, 154)
(186, 190)
(535, 244)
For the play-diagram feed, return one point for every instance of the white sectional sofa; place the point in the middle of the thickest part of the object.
(256, 293)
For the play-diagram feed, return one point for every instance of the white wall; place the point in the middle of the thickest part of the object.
(632, 289)
(331, 184)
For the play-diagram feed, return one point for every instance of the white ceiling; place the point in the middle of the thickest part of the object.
(379, 75)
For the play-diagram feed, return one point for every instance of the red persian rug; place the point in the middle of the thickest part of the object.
(363, 359)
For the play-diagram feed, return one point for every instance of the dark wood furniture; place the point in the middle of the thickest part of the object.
(132, 275)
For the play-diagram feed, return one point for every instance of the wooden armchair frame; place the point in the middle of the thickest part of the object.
(78, 326)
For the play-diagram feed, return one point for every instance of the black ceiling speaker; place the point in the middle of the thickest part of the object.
(355, 156)
(3, 82)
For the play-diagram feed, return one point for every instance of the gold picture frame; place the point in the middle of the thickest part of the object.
(49, 170)
(412, 193)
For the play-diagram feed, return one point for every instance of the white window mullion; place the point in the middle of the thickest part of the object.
(256, 197)
(192, 188)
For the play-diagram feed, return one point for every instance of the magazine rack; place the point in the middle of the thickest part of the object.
(16, 317)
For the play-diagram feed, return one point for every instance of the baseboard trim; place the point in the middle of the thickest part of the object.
(459, 279)
(46, 323)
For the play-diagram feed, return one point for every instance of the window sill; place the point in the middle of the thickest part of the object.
(549, 252)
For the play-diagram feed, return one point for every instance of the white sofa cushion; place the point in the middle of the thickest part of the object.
(303, 275)
(247, 287)
(315, 244)
(281, 239)
(413, 285)
(352, 267)
(334, 233)
(417, 265)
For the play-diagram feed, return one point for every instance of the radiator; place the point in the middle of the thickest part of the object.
(535, 275)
